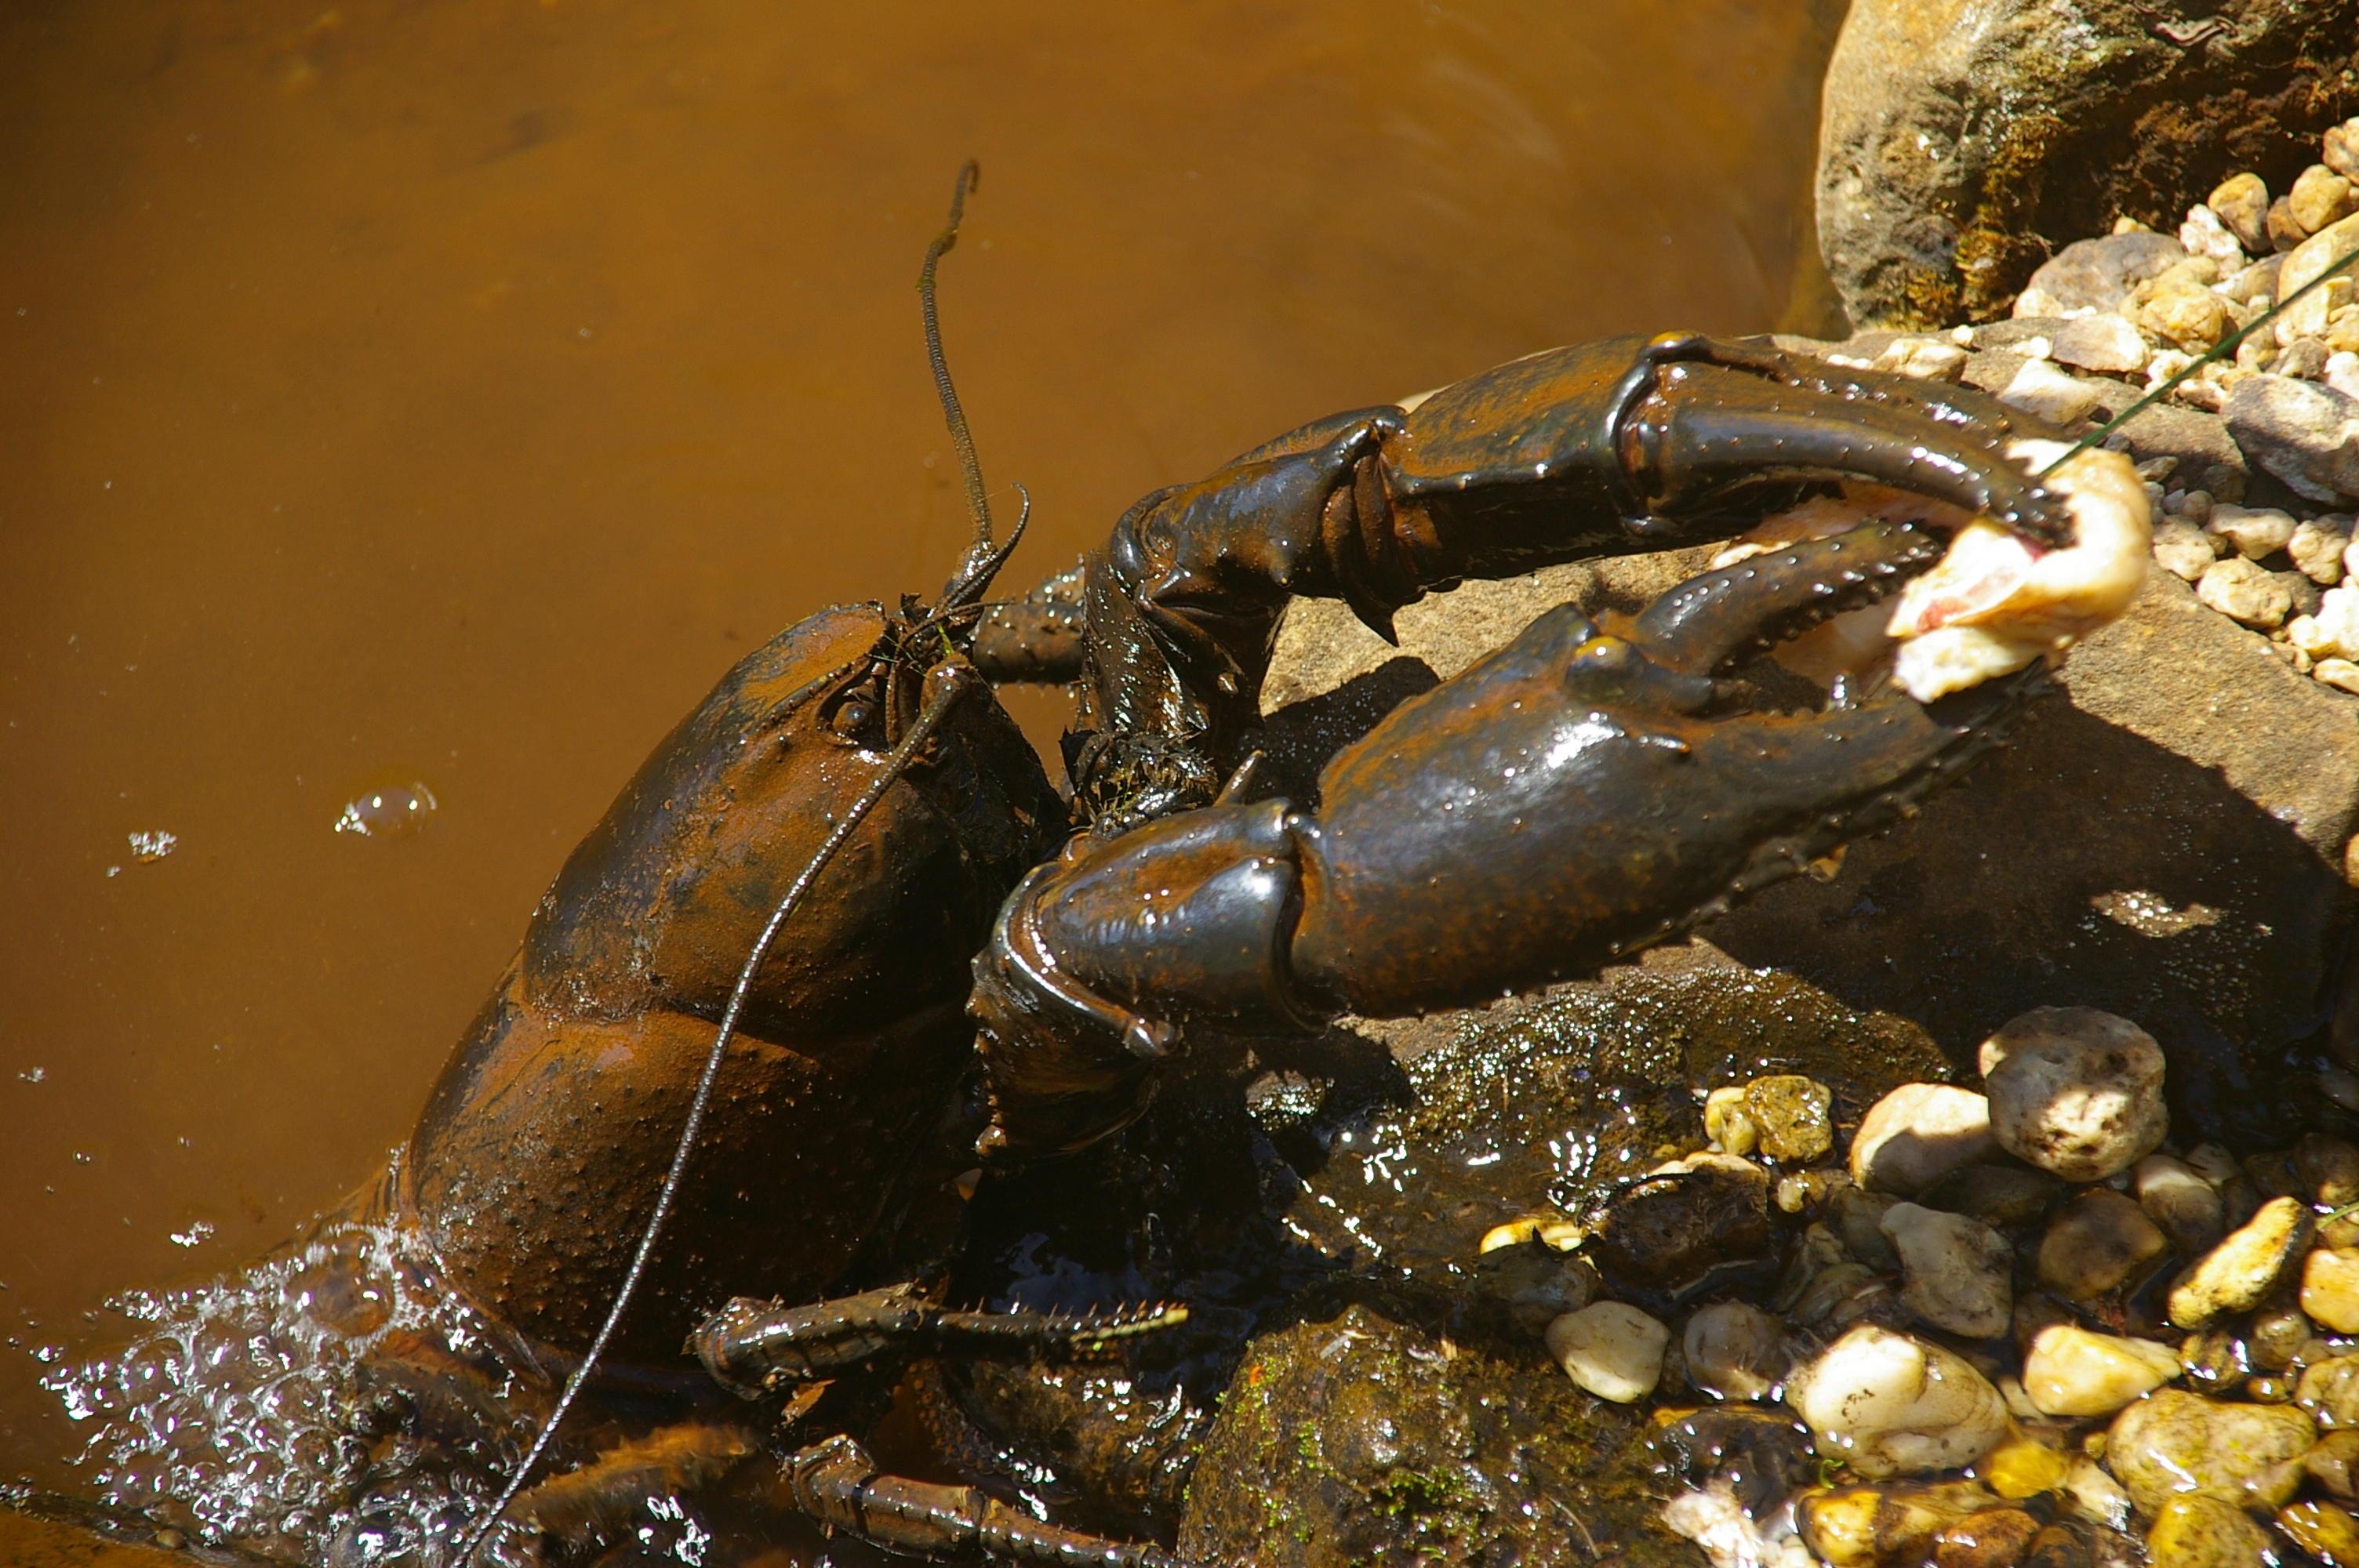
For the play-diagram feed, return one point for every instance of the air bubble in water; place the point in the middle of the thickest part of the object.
(387, 810)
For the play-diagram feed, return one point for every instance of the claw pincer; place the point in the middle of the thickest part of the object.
(1576, 453)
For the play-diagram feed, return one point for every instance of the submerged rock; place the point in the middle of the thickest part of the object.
(1891, 1404)
(2172, 1444)
(2073, 1372)
(1954, 1271)
(1877, 1527)
(2205, 1532)
(2096, 1244)
(1918, 1133)
(2234, 1276)
(1609, 1348)
(1734, 1351)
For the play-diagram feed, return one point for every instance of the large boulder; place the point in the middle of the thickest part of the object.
(1960, 139)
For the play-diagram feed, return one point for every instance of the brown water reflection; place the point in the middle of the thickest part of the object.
(412, 390)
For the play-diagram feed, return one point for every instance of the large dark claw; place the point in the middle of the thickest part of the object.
(1710, 622)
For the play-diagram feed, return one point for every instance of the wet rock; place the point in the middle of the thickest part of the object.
(2214, 1362)
(2059, 1546)
(1918, 1133)
(1609, 1348)
(2172, 1444)
(1858, 1218)
(2093, 1493)
(2254, 532)
(1685, 1219)
(2334, 1463)
(1794, 1116)
(1733, 1536)
(2330, 1289)
(1932, 178)
(2024, 1467)
(2184, 549)
(1536, 1283)
(2096, 1244)
(1954, 1271)
(1728, 1123)
(1460, 1455)
(2075, 1090)
(1998, 1196)
(1892, 1404)
(2330, 1391)
(2277, 1335)
(1884, 1526)
(1734, 1351)
(2329, 1169)
(1990, 1538)
(2242, 591)
(2235, 1275)
(1763, 1454)
(2305, 434)
(2074, 1372)
(2181, 1202)
(2104, 342)
(2328, 1533)
(2204, 1532)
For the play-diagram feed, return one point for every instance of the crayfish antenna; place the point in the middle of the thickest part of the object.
(981, 561)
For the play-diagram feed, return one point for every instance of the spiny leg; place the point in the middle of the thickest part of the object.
(838, 1484)
(752, 1348)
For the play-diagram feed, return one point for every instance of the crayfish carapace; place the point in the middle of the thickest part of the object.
(783, 932)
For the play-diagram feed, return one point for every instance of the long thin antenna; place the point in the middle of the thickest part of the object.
(2225, 347)
(957, 682)
(978, 506)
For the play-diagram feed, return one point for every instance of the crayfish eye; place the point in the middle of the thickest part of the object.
(851, 718)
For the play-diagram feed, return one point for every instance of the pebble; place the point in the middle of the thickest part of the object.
(1884, 1527)
(2235, 1275)
(2334, 1463)
(2072, 1372)
(1727, 1123)
(2312, 256)
(2340, 674)
(2203, 234)
(2183, 311)
(1536, 1283)
(1990, 1538)
(2317, 548)
(2100, 1243)
(2178, 1198)
(1718, 1522)
(2320, 196)
(2097, 275)
(1734, 1351)
(2299, 430)
(1954, 1271)
(1714, 1210)
(2241, 202)
(1795, 1117)
(2244, 592)
(2255, 531)
(2342, 372)
(2214, 1362)
(1925, 359)
(2075, 1090)
(1609, 1348)
(2104, 342)
(1893, 1405)
(2184, 549)
(2022, 1467)
(2001, 1195)
(2331, 632)
(2204, 1532)
(1858, 1218)
(2172, 1443)
(2328, 1533)
(1918, 1133)
(2096, 1496)
(2277, 1335)
(2330, 1391)
(2039, 387)
(2341, 148)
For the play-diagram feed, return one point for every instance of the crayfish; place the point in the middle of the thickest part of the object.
(840, 936)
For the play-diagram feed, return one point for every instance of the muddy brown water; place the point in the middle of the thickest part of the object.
(412, 390)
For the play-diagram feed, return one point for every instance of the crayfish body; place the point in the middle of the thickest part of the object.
(1587, 790)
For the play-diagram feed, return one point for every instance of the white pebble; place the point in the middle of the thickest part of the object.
(2184, 550)
(2245, 593)
(1918, 1134)
(1893, 1405)
(2075, 1090)
(1609, 1348)
(2317, 548)
(2254, 531)
(2073, 1372)
(1954, 1271)
(2039, 387)
(2340, 674)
